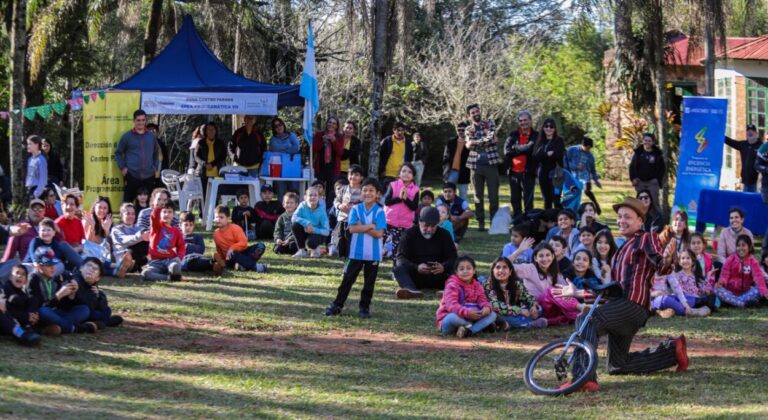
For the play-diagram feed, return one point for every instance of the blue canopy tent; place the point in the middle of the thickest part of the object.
(187, 65)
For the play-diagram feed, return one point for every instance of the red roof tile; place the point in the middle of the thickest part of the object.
(755, 49)
(686, 53)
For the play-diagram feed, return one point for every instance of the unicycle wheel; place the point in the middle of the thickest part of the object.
(551, 367)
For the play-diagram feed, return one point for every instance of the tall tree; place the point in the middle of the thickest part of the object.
(152, 32)
(380, 14)
(18, 56)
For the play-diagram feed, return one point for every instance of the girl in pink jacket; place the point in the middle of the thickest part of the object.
(400, 204)
(464, 309)
(741, 282)
(540, 278)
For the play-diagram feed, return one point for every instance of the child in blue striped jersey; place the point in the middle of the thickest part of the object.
(367, 223)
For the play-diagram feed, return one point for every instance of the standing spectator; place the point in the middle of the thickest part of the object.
(522, 168)
(283, 141)
(248, 146)
(328, 146)
(394, 150)
(455, 157)
(211, 155)
(197, 136)
(137, 156)
(55, 167)
(37, 168)
(484, 162)
(748, 151)
(400, 204)
(548, 153)
(352, 148)
(647, 168)
(420, 156)
(581, 162)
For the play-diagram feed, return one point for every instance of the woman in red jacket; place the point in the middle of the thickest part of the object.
(328, 147)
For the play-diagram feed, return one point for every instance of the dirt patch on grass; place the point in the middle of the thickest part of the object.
(211, 339)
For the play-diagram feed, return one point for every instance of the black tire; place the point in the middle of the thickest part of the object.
(540, 372)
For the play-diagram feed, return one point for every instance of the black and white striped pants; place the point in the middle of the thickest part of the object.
(621, 319)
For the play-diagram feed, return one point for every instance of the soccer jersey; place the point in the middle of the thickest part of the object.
(363, 246)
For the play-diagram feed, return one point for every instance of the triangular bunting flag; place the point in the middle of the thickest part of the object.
(44, 111)
(94, 95)
(29, 113)
(59, 107)
(102, 94)
(4, 115)
(87, 99)
(16, 111)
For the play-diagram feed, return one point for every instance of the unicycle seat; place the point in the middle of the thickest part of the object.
(610, 290)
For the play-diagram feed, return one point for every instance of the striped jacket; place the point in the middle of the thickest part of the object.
(485, 134)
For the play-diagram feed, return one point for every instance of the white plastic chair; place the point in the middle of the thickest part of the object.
(170, 179)
(191, 192)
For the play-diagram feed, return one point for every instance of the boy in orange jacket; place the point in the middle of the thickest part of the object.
(232, 250)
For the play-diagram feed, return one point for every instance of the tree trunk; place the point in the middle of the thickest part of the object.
(709, 60)
(380, 14)
(19, 53)
(660, 118)
(153, 30)
(622, 29)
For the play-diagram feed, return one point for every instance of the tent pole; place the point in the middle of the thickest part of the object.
(71, 149)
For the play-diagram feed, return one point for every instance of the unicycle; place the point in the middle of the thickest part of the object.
(552, 365)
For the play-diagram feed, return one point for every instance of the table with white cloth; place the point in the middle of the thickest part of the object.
(254, 190)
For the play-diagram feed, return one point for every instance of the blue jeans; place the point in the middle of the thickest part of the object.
(750, 187)
(67, 320)
(452, 322)
(248, 258)
(518, 321)
(453, 176)
(102, 316)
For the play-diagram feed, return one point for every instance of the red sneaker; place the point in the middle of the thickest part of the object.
(589, 386)
(681, 353)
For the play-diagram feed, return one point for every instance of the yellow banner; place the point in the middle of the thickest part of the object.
(104, 122)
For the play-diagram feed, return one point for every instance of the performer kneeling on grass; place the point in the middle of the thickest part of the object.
(633, 267)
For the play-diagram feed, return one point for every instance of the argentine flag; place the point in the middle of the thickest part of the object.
(308, 89)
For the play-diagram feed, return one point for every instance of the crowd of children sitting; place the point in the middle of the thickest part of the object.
(524, 287)
(54, 288)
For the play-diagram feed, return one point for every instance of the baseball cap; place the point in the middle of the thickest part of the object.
(751, 127)
(45, 256)
(430, 216)
(267, 187)
(36, 201)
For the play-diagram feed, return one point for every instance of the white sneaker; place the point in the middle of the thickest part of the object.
(316, 253)
(333, 251)
(301, 254)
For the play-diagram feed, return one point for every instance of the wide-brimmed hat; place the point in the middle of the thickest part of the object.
(632, 203)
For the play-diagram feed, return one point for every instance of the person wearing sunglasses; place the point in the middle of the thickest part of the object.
(548, 153)
(654, 221)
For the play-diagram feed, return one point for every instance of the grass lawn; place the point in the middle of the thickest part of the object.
(257, 345)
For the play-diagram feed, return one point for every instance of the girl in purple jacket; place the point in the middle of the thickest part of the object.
(464, 309)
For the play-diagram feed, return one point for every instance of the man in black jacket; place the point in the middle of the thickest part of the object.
(455, 165)
(425, 256)
(518, 150)
(748, 151)
(647, 168)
